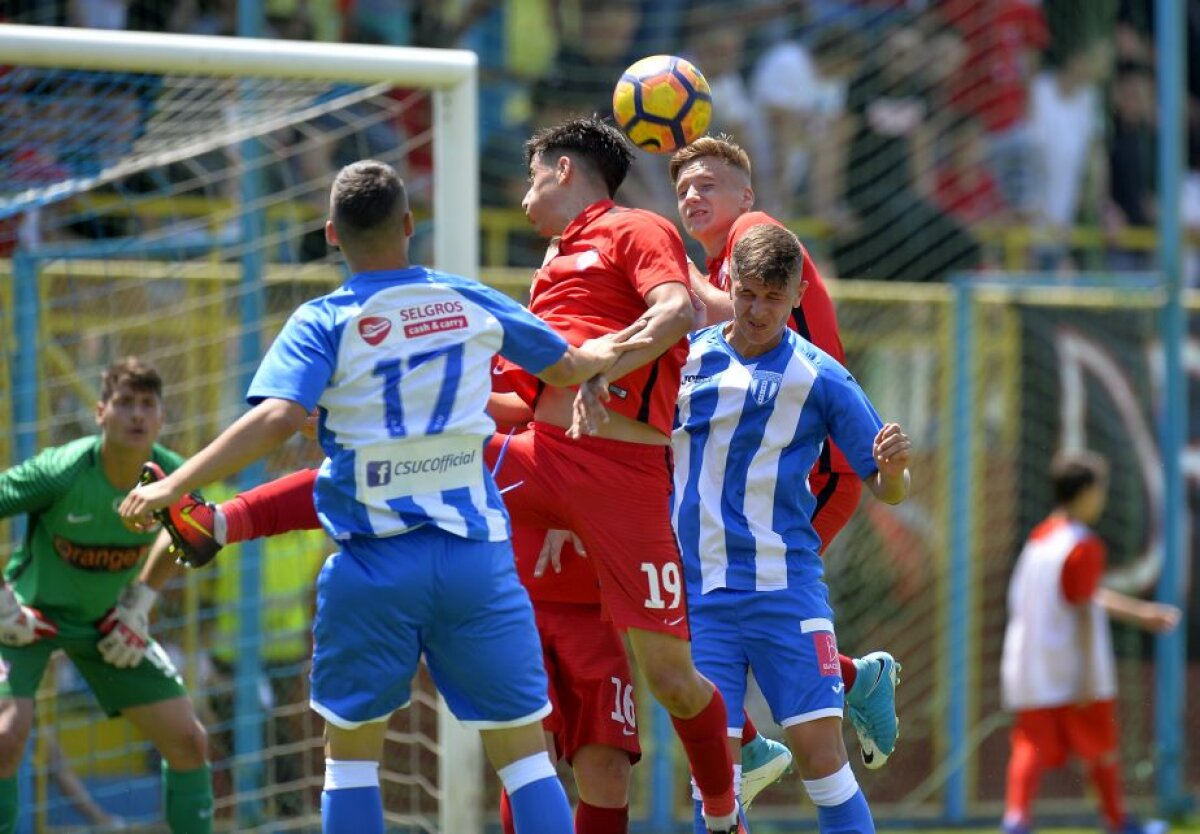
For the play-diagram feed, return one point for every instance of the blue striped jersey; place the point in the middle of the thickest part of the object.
(747, 432)
(400, 364)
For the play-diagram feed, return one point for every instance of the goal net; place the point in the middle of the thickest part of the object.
(165, 196)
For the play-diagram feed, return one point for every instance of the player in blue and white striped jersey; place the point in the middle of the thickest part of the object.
(398, 363)
(756, 404)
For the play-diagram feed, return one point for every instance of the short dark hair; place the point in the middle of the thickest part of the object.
(767, 253)
(367, 198)
(598, 145)
(139, 374)
(1071, 473)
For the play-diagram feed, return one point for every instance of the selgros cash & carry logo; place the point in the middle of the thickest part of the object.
(438, 317)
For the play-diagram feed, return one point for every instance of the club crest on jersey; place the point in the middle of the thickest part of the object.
(587, 259)
(764, 385)
(374, 329)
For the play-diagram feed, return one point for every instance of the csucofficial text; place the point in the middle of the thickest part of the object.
(380, 472)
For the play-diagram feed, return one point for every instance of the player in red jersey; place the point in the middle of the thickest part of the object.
(716, 206)
(594, 723)
(1057, 670)
(614, 266)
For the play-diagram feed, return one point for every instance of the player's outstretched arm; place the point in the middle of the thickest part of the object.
(891, 450)
(1147, 615)
(596, 356)
(670, 316)
(256, 433)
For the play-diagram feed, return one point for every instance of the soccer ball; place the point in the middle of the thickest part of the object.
(662, 103)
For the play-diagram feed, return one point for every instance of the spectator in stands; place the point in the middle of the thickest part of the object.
(1068, 143)
(897, 233)
(1003, 40)
(591, 57)
(138, 15)
(964, 186)
(205, 17)
(590, 60)
(1191, 211)
(718, 47)
(872, 17)
(1132, 159)
(377, 21)
(800, 87)
(504, 175)
(35, 12)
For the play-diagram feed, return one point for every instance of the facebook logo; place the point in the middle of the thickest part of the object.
(379, 472)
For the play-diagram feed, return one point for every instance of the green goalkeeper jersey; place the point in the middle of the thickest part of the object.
(76, 555)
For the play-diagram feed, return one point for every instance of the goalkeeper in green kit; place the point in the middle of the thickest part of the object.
(73, 584)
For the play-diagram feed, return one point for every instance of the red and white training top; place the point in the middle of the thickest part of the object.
(1050, 603)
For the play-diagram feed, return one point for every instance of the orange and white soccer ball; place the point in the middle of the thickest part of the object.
(662, 102)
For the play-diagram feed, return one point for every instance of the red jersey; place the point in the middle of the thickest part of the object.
(1083, 566)
(970, 197)
(992, 83)
(608, 259)
(814, 319)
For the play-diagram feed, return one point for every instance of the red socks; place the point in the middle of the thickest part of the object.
(1024, 773)
(278, 506)
(849, 673)
(506, 818)
(704, 740)
(1106, 776)
(590, 819)
(749, 731)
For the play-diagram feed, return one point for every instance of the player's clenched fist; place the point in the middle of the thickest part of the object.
(891, 450)
(21, 625)
(126, 626)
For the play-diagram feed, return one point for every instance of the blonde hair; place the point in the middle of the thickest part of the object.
(720, 147)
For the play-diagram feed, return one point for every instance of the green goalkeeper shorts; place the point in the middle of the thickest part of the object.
(152, 680)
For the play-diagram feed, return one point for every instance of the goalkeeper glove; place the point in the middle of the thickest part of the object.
(21, 625)
(126, 626)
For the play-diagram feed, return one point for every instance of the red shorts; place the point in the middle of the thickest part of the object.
(1090, 732)
(591, 686)
(574, 582)
(837, 495)
(616, 497)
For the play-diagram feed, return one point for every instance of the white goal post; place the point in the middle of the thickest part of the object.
(450, 75)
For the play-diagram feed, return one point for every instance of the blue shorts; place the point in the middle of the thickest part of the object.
(786, 637)
(381, 603)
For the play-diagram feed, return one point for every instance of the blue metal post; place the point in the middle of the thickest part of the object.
(958, 585)
(662, 777)
(248, 709)
(26, 314)
(1170, 649)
